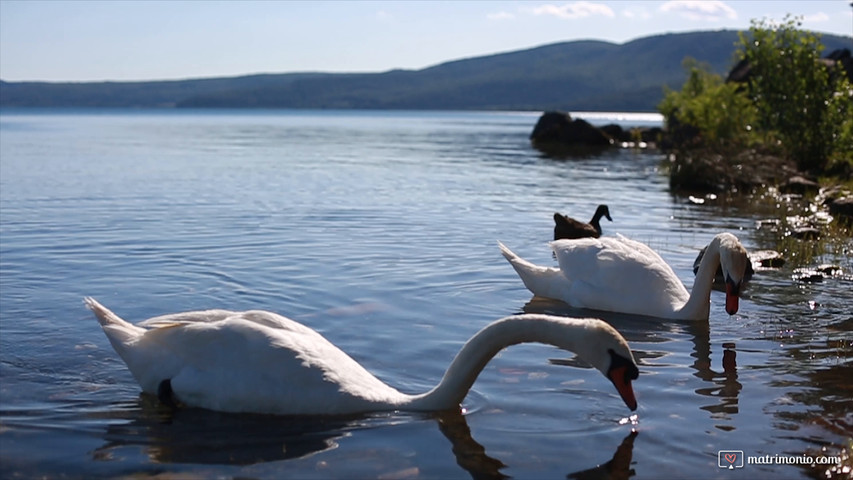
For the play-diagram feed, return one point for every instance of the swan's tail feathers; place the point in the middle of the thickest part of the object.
(546, 282)
(521, 265)
(507, 253)
(116, 329)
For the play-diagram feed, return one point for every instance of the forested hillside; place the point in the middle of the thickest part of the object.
(579, 75)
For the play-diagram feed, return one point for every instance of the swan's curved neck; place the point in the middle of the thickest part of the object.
(485, 344)
(698, 307)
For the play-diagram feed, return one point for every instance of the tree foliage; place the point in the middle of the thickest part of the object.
(793, 100)
(712, 113)
(802, 101)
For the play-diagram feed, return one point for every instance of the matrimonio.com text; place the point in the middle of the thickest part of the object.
(731, 459)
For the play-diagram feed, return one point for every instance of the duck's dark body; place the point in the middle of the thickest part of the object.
(567, 227)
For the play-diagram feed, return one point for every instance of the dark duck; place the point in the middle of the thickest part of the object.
(567, 227)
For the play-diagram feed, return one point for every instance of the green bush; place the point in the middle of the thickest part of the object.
(794, 103)
(708, 112)
(801, 103)
(841, 114)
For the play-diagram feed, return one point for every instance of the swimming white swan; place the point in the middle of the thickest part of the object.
(622, 275)
(260, 362)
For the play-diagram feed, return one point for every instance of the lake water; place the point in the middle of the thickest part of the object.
(379, 230)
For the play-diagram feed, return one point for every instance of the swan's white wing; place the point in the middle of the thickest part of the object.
(260, 317)
(578, 258)
(241, 365)
(204, 316)
(618, 275)
(641, 250)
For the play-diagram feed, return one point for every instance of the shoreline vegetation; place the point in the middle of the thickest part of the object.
(778, 133)
(780, 129)
(784, 109)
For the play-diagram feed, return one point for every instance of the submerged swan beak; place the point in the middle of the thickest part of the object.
(621, 372)
(732, 292)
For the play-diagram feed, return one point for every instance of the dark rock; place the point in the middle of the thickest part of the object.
(807, 276)
(817, 274)
(767, 259)
(829, 269)
(805, 233)
(800, 185)
(681, 135)
(651, 135)
(556, 131)
(701, 170)
(584, 133)
(830, 194)
(772, 224)
(701, 173)
(633, 136)
(842, 207)
(549, 126)
(740, 72)
(616, 132)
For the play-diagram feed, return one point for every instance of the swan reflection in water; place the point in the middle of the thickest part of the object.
(618, 468)
(203, 437)
(723, 384)
(206, 437)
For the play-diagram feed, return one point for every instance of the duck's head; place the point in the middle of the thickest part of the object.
(603, 211)
(733, 263)
(609, 353)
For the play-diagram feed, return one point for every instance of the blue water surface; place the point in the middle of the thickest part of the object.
(379, 230)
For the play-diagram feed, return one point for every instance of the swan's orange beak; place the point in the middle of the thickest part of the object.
(732, 292)
(621, 380)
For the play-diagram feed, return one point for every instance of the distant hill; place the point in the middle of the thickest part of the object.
(578, 76)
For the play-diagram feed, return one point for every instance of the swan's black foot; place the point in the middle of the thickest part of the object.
(166, 395)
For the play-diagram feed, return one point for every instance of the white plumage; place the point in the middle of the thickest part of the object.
(261, 362)
(618, 274)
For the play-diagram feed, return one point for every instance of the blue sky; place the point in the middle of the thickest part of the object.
(65, 40)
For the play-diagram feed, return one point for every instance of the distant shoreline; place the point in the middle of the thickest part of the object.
(575, 76)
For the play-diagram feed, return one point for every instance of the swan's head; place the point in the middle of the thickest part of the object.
(733, 263)
(603, 211)
(607, 350)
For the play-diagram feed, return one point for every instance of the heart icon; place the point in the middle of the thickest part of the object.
(731, 457)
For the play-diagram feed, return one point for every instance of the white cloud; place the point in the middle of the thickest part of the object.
(818, 17)
(699, 10)
(640, 13)
(500, 16)
(384, 16)
(571, 11)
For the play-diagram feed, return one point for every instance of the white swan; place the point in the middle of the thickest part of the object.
(260, 362)
(623, 275)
